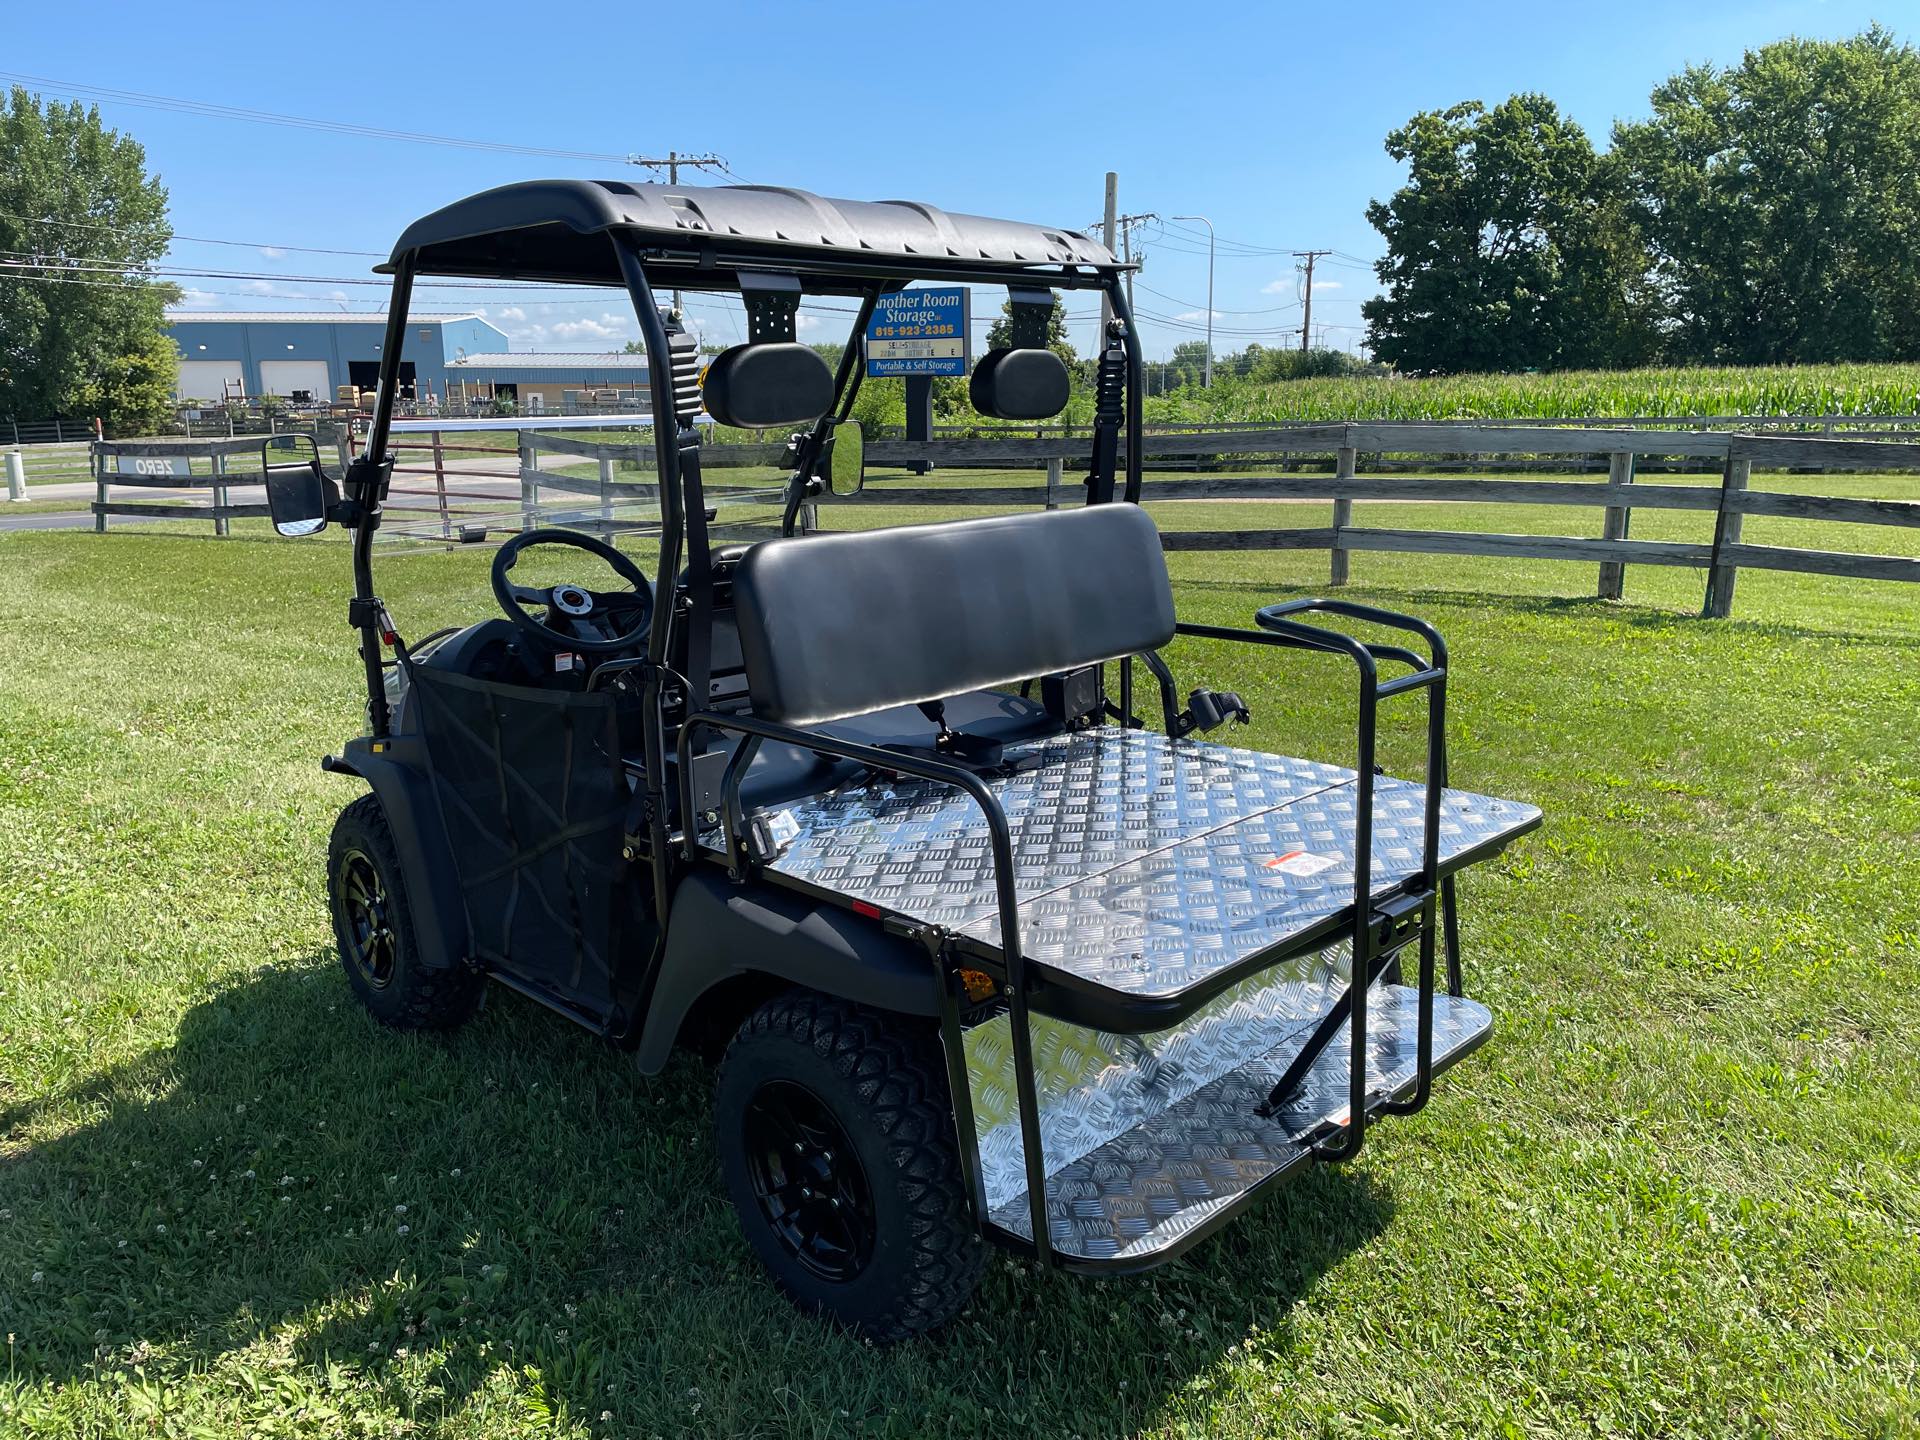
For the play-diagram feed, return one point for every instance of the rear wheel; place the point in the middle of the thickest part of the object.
(373, 925)
(836, 1139)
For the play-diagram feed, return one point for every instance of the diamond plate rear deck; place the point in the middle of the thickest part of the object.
(1142, 864)
(1158, 1180)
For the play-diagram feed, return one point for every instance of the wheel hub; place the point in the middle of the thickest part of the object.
(369, 938)
(813, 1191)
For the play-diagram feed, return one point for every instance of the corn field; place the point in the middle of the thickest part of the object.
(1852, 390)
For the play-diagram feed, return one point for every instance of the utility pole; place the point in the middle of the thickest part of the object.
(1306, 318)
(671, 163)
(1128, 224)
(1106, 238)
(1206, 375)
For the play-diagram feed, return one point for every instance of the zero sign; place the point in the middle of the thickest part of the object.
(169, 466)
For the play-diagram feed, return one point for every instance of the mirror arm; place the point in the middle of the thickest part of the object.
(366, 485)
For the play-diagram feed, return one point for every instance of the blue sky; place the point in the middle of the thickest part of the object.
(1266, 118)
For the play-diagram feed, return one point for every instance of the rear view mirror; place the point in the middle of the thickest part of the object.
(846, 458)
(298, 491)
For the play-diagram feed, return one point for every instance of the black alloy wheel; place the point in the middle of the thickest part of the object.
(808, 1179)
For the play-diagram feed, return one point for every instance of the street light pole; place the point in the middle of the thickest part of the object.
(1206, 375)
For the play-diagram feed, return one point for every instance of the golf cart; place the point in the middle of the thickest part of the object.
(998, 960)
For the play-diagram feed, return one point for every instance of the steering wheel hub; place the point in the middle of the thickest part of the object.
(571, 600)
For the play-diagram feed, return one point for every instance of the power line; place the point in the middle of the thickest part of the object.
(207, 108)
(189, 239)
(1272, 310)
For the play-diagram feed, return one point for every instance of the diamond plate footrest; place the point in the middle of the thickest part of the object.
(1157, 1185)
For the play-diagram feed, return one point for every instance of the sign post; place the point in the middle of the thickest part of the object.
(915, 335)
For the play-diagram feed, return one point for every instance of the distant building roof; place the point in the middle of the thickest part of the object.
(315, 317)
(551, 360)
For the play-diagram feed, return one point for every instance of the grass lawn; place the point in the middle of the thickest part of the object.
(1677, 1194)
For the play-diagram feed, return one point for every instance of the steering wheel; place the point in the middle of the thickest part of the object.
(599, 620)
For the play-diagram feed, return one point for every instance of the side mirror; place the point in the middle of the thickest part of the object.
(298, 491)
(846, 459)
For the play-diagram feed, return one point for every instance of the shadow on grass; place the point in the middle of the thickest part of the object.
(422, 1214)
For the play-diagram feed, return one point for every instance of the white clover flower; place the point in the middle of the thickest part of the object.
(38, 1276)
(399, 1209)
(405, 1230)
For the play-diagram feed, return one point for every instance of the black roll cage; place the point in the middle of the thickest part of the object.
(683, 518)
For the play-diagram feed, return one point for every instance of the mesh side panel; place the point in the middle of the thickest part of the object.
(532, 794)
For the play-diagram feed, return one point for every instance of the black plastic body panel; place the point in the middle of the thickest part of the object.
(721, 931)
(398, 778)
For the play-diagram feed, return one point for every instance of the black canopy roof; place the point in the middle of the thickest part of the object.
(700, 237)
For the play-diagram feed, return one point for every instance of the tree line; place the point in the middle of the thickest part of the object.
(1763, 213)
(82, 333)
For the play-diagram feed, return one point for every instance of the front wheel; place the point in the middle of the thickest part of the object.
(373, 924)
(836, 1139)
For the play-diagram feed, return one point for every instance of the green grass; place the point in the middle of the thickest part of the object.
(1676, 1195)
(1859, 390)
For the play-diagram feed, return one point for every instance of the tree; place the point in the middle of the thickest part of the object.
(133, 393)
(1781, 202)
(1509, 247)
(1000, 333)
(82, 331)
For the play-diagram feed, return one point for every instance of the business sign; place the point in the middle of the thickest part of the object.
(154, 466)
(919, 332)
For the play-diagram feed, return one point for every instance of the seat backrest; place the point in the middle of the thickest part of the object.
(839, 625)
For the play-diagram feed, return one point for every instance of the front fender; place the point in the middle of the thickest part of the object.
(398, 777)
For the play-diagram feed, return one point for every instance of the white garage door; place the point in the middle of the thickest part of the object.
(206, 379)
(283, 377)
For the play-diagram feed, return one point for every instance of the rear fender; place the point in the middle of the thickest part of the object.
(719, 932)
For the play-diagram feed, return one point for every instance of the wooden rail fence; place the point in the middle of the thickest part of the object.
(514, 481)
(217, 466)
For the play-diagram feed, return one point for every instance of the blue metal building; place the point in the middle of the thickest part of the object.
(450, 356)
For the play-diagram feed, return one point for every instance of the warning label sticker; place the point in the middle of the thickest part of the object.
(1301, 862)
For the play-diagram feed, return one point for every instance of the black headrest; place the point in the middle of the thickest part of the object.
(754, 386)
(1019, 384)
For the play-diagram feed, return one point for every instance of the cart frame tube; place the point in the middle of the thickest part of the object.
(367, 494)
(1000, 843)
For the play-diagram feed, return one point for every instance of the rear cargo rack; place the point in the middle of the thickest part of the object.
(1193, 932)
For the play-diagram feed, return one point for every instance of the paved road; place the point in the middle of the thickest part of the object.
(77, 520)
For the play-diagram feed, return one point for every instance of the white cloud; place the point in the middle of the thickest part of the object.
(1285, 285)
(1320, 285)
(1196, 315)
(558, 327)
(260, 287)
(272, 252)
(803, 323)
(192, 299)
